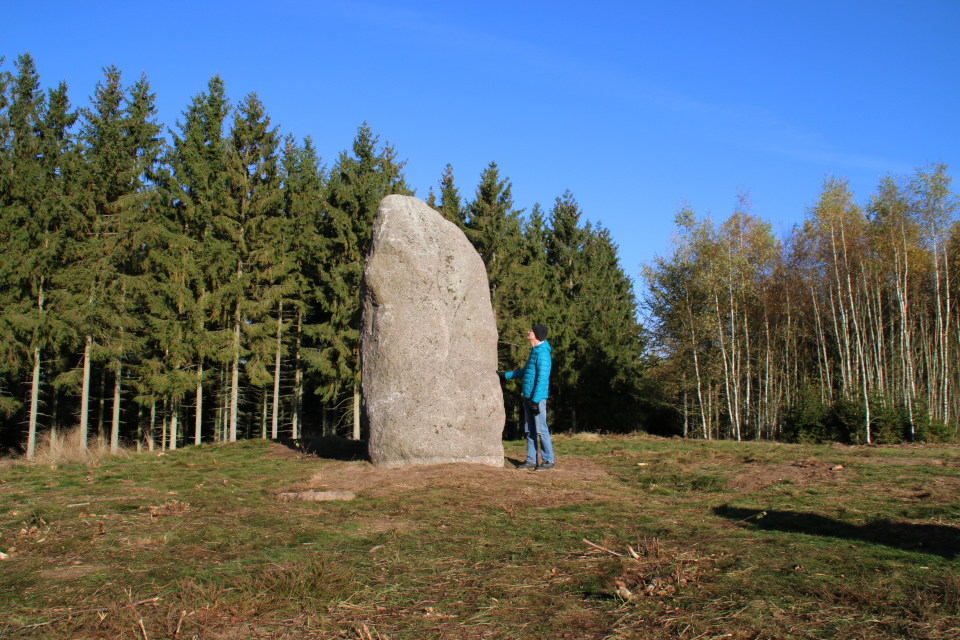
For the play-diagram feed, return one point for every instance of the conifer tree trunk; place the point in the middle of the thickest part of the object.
(263, 412)
(356, 413)
(235, 377)
(139, 427)
(221, 428)
(118, 374)
(153, 423)
(297, 382)
(115, 422)
(276, 374)
(174, 414)
(34, 393)
(85, 394)
(198, 419)
(163, 422)
(35, 383)
(103, 389)
(53, 417)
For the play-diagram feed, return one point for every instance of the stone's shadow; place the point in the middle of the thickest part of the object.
(516, 463)
(329, 448)
(938, 539)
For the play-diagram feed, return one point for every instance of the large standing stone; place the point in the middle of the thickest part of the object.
(428, 343)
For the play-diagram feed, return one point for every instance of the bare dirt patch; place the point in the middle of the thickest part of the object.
(757, 476)
(934, 491)
(283, 452)
(71, 572)
(905, 462)
(361, 477)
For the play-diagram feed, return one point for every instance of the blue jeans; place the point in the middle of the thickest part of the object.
(537, 426)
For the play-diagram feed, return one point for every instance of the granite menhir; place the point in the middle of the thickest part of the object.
(428, 343)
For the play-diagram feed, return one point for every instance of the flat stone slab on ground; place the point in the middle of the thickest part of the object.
(316, 496)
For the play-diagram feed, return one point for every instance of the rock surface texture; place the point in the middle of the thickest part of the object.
(428, 343)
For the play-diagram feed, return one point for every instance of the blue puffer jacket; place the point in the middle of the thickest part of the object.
(535, 374)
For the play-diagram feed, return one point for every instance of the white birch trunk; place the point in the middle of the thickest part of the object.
(696, 367)
(726, 363)
(862, 368)
(822, 351)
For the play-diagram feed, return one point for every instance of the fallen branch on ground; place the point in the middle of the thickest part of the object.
(596, 546)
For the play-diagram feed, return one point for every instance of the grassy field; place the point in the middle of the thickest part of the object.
(629, 537)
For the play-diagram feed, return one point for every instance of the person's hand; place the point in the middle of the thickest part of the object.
(502, 375)
(534, 407)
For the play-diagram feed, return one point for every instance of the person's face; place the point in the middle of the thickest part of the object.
(532, 338)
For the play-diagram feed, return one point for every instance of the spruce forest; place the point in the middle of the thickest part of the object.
(199, 282)
(164, 286)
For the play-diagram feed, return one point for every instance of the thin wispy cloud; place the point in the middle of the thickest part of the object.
(740, 125)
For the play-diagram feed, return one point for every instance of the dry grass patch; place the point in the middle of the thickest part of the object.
(629, 537)
(66, 447)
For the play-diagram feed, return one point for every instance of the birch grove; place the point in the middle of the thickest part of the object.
(844, 329)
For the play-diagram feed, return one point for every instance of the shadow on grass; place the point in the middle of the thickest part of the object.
(329, 448)
(938, 539)
(513, 461)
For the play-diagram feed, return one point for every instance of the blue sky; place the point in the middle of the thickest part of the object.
(634, 107)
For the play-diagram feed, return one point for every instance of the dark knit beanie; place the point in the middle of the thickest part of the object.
(539, 332)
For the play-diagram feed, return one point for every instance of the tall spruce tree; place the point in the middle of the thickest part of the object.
(264, 260)
(355, 187)
(496, 231)
(529, 297)
(194, 258)
(34, 207)
(303, 183)
(21, 195)
(571, 345)
(8, 346)
(139, 221)
(493, 227)
(96, 306)
(450, 205)
(611, 386)
(120, 147)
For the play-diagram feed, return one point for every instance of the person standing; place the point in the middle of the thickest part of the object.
(536, 379)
